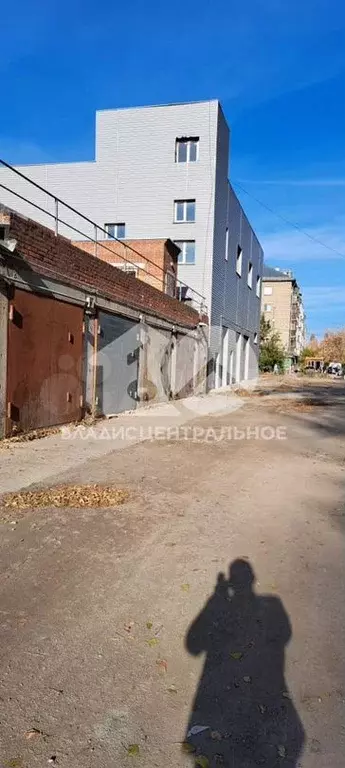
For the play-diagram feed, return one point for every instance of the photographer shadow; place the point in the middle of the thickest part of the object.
(242, 714)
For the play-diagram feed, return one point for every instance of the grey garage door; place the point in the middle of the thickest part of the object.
(117, 364)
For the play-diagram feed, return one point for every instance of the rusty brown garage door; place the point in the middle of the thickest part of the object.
(44, 364)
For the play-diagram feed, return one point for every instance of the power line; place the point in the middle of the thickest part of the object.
(287, 221)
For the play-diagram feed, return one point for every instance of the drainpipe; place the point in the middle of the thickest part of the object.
(94, 403)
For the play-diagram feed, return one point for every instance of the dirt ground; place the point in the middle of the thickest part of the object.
(126, 640)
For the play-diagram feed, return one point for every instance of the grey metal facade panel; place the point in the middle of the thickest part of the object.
(141, 145)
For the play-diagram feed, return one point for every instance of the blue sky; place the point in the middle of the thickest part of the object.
(278, 68)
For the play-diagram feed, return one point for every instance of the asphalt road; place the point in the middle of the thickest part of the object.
(213, 599)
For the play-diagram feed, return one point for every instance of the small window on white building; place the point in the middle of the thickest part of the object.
(184, 210)
(116, 230)
(187, 150)
(255, 338)
(267, 307)
(227, 244)
(250, 275)
(239, 260)
(187, 248)
(258, 286)
(267, 290)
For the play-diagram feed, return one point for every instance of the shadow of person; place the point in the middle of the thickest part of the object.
(242, 696)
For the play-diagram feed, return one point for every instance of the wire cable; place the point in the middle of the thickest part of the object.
(287, 221)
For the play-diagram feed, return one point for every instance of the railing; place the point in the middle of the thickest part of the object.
(148, 269)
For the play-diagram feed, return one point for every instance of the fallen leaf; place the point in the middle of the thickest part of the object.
(152, 642)
(172, 689)
(188, 748)
(216, 736)
(236, 655)
(133, 750)
(281, 751)
(247, 679)
(162, 665)
(33, 733)
(197, 729)
(202, 762)
(185, 587)
(262, 708)
(149, 624)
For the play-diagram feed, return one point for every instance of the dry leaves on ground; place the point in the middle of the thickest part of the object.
(299, 406)
(66, 496)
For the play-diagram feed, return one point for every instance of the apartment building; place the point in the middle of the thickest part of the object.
(282, 305)
(162, 172)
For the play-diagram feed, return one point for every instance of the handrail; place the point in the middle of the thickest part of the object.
(96, 226)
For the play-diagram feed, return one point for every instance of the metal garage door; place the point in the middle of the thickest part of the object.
(44, 383)
(117, 364)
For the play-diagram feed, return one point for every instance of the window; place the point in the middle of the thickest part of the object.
(187, 248)
(258, 286)
(267, 307)
(116, 230)
(226, 244)
(184, 210)
(250, 275)
(255, 338)
(267, 290)
(129, 268)
(187, 150)
(239, 261)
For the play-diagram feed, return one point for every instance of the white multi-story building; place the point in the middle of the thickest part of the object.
(162, 172)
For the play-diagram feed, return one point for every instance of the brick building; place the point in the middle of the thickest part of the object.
(153, 261)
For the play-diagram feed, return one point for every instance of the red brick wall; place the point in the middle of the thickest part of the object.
(57, 257)
(150, 253)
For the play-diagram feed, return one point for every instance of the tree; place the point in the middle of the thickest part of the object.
(271, 350)
(332, 347)
(265, 329)
(313, 345)
(309, 351)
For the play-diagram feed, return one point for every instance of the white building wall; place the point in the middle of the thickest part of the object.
(135, 179)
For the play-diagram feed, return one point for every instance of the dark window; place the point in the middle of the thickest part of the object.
(187, 150)
(116, 230)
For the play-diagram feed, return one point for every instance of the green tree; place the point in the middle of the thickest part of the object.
(271, 350)
(307, 352)
(265, 329)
